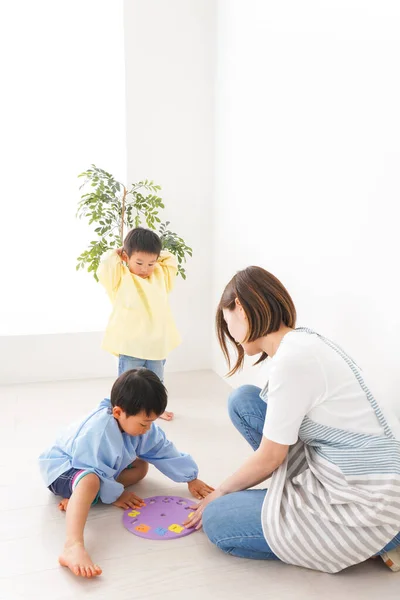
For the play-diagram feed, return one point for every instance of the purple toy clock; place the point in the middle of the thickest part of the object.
(161, 518)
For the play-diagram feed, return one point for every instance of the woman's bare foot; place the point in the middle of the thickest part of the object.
(76, 558)
(167, 416)
(63, 504)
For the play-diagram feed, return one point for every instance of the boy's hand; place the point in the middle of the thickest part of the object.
(199, 489)
(129, 500)
(122, 254)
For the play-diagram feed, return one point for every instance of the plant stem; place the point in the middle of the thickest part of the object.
(123, 215)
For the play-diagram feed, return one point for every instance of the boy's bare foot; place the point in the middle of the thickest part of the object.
(76, 558)
(63, 504)
(167, 416)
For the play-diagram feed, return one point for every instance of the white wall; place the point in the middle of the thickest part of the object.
(66, 106)
(57, 356)
(307, 152)
(307, 166)
(62, 108)
(170, 59)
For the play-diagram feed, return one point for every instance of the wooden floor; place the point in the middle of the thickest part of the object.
(32, 529)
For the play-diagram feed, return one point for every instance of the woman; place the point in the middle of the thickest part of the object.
(332, 450)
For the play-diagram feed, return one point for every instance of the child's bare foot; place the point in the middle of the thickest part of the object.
(63, 504)
(167, 416)
(76, 558)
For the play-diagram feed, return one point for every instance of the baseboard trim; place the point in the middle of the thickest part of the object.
(65, 356)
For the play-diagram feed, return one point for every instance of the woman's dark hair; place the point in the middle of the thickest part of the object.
(137, 390)
(266, 303)
(142, 240)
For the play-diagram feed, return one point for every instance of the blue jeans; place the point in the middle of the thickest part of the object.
(233, 522)
(126, 363)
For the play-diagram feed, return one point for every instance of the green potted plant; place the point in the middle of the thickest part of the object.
(115, 209)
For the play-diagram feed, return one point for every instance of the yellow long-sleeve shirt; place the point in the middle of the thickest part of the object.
(141, 322)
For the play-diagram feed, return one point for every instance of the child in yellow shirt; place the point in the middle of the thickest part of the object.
(138, 279)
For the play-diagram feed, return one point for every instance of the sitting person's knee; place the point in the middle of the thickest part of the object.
(141, 467)
(210, 520)
(92, 480)
(240, 395)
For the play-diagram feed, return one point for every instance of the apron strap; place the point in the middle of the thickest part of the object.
(355, 369)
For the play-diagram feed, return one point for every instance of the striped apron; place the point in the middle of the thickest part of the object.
(335, 501)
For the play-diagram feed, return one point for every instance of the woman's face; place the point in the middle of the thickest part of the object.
(237, 324)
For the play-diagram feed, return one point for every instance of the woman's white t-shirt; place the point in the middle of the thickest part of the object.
(307, 377)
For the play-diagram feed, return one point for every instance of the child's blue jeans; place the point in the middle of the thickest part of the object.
(130, 362)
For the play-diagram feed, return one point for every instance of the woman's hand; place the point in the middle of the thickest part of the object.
(256, 469)
(196, 519)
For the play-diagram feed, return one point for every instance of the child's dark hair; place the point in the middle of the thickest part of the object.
(142, 240)
(137, 390)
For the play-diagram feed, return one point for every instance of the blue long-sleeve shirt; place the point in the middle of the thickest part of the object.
(97, 444)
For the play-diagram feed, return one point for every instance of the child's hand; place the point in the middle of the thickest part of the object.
(122, 254)
(199, 489)
(129, 500)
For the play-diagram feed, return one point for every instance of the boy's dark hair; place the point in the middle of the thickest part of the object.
(142, 240)
(137, 390)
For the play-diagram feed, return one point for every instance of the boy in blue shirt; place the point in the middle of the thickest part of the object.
(108, 451)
